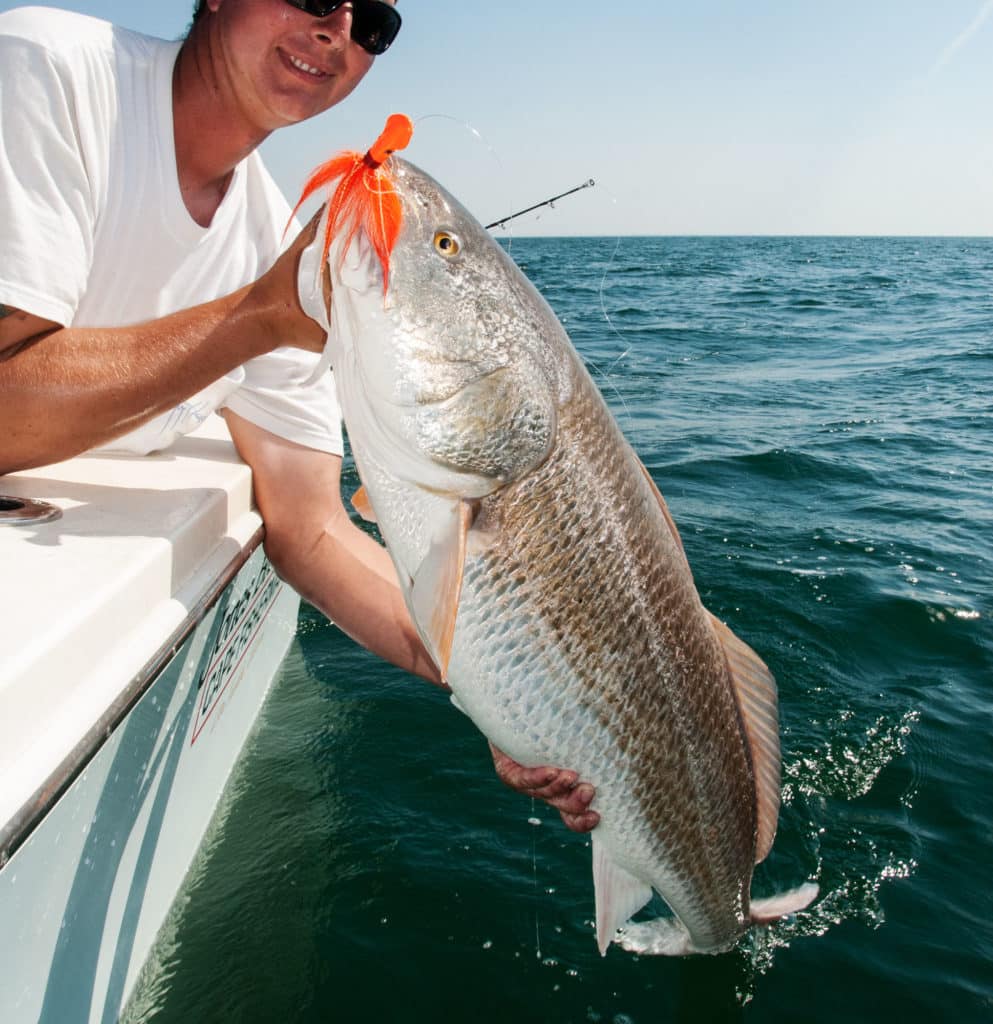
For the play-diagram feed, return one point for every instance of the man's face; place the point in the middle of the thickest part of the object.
(284, 64)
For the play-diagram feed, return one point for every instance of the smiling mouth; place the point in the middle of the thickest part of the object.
(302, 65)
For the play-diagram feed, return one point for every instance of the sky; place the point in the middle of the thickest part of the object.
(756, 117)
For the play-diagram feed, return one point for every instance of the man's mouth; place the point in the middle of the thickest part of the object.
(302, 65)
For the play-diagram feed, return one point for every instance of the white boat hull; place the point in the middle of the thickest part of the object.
(95, 850)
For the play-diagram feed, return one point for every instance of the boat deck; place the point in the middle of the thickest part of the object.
(95, 596)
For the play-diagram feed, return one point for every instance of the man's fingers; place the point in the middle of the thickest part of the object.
(581, 822)
(558, 787)
(571, 801)
(575, 801)
(548, 783)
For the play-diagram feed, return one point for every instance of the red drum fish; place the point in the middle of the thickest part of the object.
(538, 559)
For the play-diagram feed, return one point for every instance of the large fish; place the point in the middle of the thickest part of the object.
(538, 559)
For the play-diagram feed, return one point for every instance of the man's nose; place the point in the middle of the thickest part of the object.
(335, 28)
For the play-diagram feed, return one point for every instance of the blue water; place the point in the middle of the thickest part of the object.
(817, 413)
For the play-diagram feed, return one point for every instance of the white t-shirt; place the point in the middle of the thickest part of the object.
(94, 231)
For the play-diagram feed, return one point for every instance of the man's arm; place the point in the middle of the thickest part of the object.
(313, 544)
(17, 329)
(342, 571)
(67, 389)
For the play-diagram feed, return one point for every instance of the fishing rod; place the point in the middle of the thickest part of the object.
(537, 206)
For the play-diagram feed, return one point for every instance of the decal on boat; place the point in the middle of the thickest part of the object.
(241, 620)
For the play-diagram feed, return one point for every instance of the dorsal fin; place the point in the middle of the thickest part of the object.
(365, 196)
(667, 515)
(758, 701)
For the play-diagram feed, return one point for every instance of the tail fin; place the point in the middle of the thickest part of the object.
(766, 911)
(662, 936)
(667, 936)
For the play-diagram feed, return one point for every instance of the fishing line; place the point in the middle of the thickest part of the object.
(501, 222)
(475, 132)
(607, 374)
(534, 822)
(603, 282)
(478, 136)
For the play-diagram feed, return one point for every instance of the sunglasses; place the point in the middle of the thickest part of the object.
(375, 23)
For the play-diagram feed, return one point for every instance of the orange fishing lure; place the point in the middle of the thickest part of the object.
(365, 196)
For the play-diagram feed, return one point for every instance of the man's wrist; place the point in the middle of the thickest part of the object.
(278, 318)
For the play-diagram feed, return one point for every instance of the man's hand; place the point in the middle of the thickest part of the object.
(287, 292)
(556, 786)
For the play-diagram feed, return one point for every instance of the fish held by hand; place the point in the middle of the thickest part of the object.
(540, 563)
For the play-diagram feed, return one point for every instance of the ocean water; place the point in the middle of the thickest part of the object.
(817, 413)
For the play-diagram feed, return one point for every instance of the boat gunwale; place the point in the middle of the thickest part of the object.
(16, 832)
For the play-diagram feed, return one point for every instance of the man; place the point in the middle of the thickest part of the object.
(142, 285)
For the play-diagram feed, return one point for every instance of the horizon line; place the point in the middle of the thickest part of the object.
(720, 234)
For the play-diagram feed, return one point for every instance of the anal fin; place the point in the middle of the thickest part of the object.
(618, 895)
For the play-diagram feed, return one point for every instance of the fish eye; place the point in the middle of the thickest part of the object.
(446, 244)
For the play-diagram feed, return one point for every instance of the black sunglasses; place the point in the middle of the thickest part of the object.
(375, 23)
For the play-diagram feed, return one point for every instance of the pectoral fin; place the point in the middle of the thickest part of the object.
(437, 585)
(362, 505)
(618, 895)
(758, 701)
